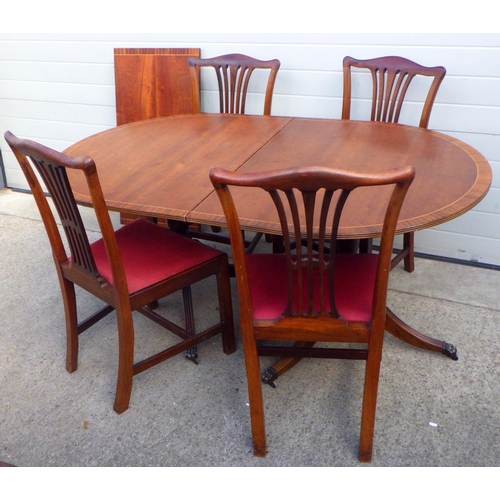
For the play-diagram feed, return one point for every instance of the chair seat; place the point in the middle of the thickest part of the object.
(354, 285)
(146, 249)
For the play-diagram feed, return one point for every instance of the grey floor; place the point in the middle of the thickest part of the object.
(432, 411)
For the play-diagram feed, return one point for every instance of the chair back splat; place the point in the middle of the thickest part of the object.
(391, 78)
(233, 72)
(129, 269)
(311, 293)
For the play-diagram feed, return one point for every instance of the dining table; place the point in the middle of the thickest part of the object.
(160, 168)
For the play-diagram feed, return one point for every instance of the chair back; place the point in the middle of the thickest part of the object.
(391, 77)
(52, 167)
(233, 73)
(309, 202)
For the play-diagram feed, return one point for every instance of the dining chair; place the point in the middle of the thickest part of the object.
(129, 269)
(233, 73)
(391, 77)
(310, 293)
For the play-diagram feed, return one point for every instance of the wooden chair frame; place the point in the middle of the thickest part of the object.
(306, 319)
(233, 72)
(391, 78)
(80, 268)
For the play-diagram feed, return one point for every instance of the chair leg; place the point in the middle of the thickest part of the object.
(255, 396)
(407, 253)
(192, 352)
(369, 402)
(125, 359)
(70, 311)
(409, 243)
(277, 243)
(226, 307)
(366, 245)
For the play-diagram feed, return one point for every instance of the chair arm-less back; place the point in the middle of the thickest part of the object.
(391, 77)
(309, 202)
(233, 73)
(51, 166)
(313, 294)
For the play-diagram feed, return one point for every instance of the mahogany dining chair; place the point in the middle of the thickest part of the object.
(129, 269)
(310, 293)
(391, 77)
(233, 73)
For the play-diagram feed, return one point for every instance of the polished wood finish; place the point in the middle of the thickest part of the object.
(179, 150)
(80, 268)
(152, 83)
(439, 160)
(391, 78)
(233, 72)
(309, 203)
(254, 144)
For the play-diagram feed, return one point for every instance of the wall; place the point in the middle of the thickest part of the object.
(59, 88)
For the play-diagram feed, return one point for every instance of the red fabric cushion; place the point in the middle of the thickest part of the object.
(151, 253)
(354, 285)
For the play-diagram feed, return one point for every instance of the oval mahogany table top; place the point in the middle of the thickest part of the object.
(160, 167)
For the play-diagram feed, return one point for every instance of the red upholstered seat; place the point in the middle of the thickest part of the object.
(354, 285)
(144, 248)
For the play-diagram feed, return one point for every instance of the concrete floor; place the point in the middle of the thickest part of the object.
(432, 411)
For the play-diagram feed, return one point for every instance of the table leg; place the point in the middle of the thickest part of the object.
(393, 325)
(282, 365)
(411, 336)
